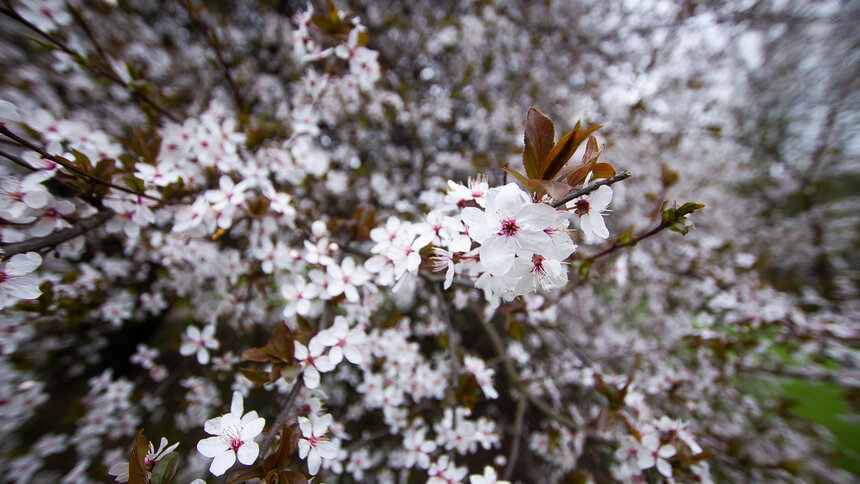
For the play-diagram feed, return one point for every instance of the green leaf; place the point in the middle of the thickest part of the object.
(688, 208)
(538, 139)
(257, 376)
(165, 469)
(522, 180)
(82, 161)
(136, 468)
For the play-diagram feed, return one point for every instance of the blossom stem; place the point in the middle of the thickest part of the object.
(281, 419)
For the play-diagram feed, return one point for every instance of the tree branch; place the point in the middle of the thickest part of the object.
(65, 164)
(38, 243)
(514, 376)
(282, 417)
(97, 70)
(590, 188)
(634, 239)
(522, 405)
(195, 19)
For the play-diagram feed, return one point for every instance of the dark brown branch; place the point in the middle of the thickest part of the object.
(97, 70)
(281, 419)
(52, 240)
(590, 188)
(522, 405)
(65, 164)
(514, 376)
(237, 94)
(634, 239)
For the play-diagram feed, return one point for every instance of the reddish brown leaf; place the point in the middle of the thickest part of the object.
(535, 188)
(565, 148)
(538, 139)
(603, 170)
(555, 189)
(136, 469)
(592, 152)
(255, 354)
(243, 474)
(578, 175)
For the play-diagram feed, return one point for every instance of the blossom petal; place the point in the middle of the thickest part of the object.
(314, 462)
(211, 446)
(248, 452)
(23, 288)
(497, 255)
(252, 429)
(324, 364)
(21, 264)
(304, 448)
(598, 226)
(237, 405)
(600, 198)
(222, 462)
(311, 377)
(327, 449)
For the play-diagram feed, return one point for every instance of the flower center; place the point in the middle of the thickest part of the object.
(3, 277)
(509, 228)
(231, 437)
(537, 261)
(581, 207)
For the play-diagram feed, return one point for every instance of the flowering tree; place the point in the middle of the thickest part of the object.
(327, 216)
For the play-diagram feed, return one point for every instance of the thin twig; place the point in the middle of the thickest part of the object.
(452, 354)
(522, 405)
(573, 346)
(514, 376)
(52, 240)
(590, 188)
(195, 19)
(282, 417)
(65, 164)
(635, 239)
(99, 71)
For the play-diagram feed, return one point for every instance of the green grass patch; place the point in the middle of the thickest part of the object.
(826, 404)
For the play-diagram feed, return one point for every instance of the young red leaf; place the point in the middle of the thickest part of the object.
(243, 474)
(565, 148)
(555, 189)
(592, 152)
(602, 170)
(538, 139)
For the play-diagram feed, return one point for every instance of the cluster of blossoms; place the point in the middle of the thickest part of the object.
(175, 235)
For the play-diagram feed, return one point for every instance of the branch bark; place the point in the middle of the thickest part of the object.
(38, 243)
(590, 188)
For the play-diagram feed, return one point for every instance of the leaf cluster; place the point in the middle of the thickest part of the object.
(546, 162)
